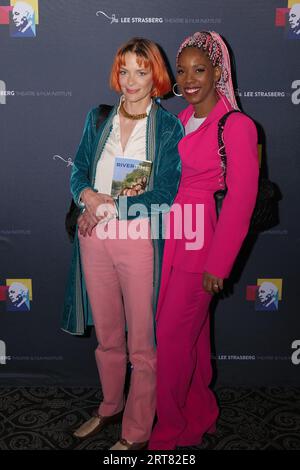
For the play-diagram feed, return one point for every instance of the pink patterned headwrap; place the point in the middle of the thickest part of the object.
(216, 49)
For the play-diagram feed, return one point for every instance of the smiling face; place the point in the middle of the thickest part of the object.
(135, 79)
(196, 77)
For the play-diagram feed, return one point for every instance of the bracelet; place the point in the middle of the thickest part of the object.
(80, 203)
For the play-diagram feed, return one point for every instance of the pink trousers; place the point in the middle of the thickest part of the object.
(186, 407)
(119, 279)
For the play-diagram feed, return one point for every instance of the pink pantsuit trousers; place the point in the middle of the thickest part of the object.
(119, 280)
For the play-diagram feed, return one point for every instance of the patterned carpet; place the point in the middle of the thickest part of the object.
(250, 419)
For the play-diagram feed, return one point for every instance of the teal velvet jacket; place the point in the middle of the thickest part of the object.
(163, 132)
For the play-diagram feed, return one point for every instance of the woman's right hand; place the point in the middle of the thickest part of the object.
(92, 201)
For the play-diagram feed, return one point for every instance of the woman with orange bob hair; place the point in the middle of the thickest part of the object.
(114, 280)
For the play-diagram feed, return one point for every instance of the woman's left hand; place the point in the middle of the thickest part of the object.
(211, 283)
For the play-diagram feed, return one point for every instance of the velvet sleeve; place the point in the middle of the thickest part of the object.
(80, 171)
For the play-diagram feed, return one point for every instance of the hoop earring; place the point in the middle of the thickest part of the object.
(176, 94)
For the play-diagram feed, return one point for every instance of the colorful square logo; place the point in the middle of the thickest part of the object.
(18, 294)
(266, 294)
(21, 17)
(289, 18)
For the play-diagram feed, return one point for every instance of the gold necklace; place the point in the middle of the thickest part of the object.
(131, 116)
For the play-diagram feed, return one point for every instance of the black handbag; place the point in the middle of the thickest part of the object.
(74, 211)
(266, 211)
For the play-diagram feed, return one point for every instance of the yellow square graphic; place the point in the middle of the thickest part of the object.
(35, 6)
(26, 282)
(292, 2)
(276, 282)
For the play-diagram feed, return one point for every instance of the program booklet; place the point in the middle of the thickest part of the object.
(130, 177)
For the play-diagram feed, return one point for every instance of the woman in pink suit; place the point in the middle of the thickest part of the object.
(186, 407)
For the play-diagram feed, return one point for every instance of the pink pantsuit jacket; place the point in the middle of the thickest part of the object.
(201, 177)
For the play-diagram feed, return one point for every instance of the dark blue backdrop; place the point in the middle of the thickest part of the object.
(47, 85)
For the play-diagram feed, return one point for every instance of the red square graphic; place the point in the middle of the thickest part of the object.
(251, 293)
(3, 290)
(280, 18)
(4, 14)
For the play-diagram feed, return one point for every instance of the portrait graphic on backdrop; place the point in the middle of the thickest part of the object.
(294, 21)
(19, 294)
(266, 294)
(289, 18)
(21, 17)
(22, 20)
(267, 297)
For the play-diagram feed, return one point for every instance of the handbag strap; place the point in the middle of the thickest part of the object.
(103, 110)
(221, 144)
